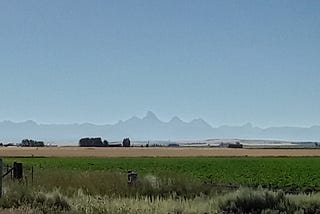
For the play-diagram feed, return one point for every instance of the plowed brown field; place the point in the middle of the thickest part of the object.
(153, 152)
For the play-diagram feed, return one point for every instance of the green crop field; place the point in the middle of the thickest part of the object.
(165, 185)
(291, 174)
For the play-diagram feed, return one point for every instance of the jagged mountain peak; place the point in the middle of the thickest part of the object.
(149, 127)
(133, 119)
(176, 120)
(151, 116)
(200, 122)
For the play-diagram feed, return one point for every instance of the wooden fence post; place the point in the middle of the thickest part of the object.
(17, 171)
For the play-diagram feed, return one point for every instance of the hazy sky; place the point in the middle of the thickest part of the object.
(228, 62)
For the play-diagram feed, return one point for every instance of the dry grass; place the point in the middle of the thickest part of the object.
(153, 152)
(243, 200)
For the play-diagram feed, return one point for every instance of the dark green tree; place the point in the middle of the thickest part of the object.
(126, 142)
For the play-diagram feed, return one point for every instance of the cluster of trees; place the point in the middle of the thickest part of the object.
(97, 142)
(93, 142)
(31, 143)
(126, 142)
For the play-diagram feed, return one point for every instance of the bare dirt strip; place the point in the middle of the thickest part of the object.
(153, 152)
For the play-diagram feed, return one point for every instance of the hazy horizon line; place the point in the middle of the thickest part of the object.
(251, 124)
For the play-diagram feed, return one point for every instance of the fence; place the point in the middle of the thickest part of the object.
(15, 173)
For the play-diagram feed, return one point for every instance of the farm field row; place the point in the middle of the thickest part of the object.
(292, 174)
(153, 152)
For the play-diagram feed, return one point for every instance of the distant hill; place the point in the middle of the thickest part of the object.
(149, 128)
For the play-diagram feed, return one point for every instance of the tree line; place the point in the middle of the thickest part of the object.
(31, 143)
(98, 142)
(25, 143)
(83, 142)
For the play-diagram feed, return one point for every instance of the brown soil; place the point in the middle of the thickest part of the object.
(153, 152)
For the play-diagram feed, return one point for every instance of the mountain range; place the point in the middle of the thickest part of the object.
(149, 128)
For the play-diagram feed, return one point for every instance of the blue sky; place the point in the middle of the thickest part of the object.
(228, 62)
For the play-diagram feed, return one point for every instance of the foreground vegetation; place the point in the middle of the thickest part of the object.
(165, 185)
(19, 199)
(288, 174)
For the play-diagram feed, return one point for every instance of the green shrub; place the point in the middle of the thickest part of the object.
(18, 196)
(254, 201)
(306, 204)
(268, 202)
